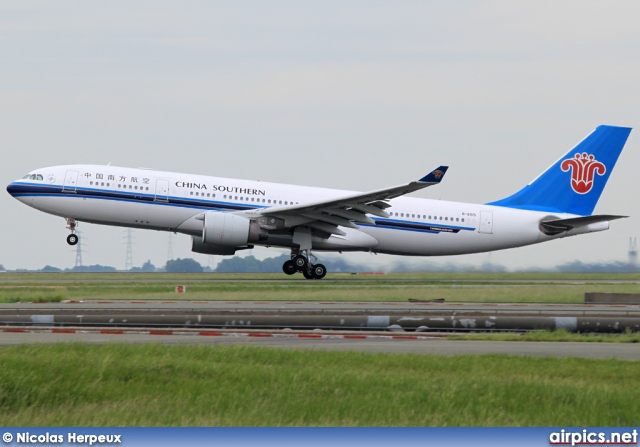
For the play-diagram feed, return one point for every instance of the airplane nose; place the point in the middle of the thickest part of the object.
(13, 188)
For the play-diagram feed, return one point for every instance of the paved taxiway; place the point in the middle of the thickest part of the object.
(622, 351)
(109, 306)
(421, 346)
(410, 316)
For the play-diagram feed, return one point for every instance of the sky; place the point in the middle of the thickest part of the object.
(356, 95)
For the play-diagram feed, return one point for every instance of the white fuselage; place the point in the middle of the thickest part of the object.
(171, 201)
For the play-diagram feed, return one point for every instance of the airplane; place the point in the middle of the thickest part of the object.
(223, 215)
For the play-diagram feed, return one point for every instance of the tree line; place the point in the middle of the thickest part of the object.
(250, 264)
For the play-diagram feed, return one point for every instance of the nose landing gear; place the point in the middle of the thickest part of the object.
(72, 239)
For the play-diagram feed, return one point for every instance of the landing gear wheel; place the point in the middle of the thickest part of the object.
(72, 239)
(307, 275)
(300, 262)
(289, 268)
(318, 271)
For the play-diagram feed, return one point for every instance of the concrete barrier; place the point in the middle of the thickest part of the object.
(408, 323)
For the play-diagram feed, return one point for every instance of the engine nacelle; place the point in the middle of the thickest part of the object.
(230, 230)
(198, 246)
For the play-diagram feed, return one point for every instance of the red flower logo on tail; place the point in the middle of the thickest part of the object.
(584, 167)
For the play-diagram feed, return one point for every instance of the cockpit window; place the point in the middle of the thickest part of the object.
(34, 177)
(26, 176)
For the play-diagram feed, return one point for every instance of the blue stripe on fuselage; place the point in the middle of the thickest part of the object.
(30, 190)
(20, 189)
(423, 227)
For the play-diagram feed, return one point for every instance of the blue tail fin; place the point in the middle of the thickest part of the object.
(573, 184)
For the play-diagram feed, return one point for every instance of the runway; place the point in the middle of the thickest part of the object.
(376, 344)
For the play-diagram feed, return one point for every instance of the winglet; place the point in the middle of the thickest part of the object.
(435, 176)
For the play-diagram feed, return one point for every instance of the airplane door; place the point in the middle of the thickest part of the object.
(162, 190)
(70, 181)
(486, 222)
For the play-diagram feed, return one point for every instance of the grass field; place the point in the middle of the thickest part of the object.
(159, 385)
(473, 287)
(555, 336)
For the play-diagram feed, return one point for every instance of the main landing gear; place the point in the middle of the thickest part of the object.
(299, 262)
(300, 256)
(72, 239)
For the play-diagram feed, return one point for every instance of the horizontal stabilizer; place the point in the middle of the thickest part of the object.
(560, 225)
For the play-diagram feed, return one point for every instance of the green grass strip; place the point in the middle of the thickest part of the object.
(159, 385)
(491, 288)
(555, 336)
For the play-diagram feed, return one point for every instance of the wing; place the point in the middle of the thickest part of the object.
(327, 215)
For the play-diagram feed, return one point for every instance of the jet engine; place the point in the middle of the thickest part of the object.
(230, 230)
(197, 246)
